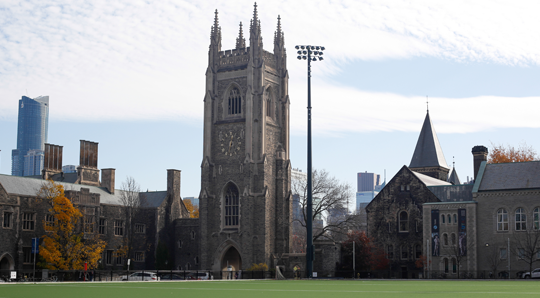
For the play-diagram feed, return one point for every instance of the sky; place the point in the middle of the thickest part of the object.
(130, 75)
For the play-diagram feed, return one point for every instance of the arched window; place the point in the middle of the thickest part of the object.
(403, 221)
(536, 218)
(454, 265)
(521, 220)
(455, 218)
(418, 251)
(445, 239)
(231, 206)
(443, 217)
(449, 219)
(235, 102)
(453, 239)
(445, 265)
(502, 220)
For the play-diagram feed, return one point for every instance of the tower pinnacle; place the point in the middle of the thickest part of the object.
(240, 41)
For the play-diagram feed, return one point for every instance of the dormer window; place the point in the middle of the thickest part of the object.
(235, 102)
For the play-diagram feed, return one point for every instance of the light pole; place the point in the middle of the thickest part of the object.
(306, 53)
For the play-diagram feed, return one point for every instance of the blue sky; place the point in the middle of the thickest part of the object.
(130, 75)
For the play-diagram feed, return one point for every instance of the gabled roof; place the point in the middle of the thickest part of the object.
(507, 176)
(430, 181)
(428, 151)
(454, 179)
(26, 186)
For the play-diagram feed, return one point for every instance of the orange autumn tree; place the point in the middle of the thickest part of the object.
(64, 246)
(192, 209)
(501, 154)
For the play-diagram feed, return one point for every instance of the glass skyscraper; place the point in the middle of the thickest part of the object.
(32, 132)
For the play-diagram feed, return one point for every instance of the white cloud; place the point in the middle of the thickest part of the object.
(102, 60)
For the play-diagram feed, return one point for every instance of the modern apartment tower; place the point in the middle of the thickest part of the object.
(32, 132)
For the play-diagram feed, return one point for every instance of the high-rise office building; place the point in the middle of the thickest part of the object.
(32, 132)
(368, 181)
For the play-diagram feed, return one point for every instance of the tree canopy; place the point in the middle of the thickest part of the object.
(64, 246)
(192, 209)
(502, 154)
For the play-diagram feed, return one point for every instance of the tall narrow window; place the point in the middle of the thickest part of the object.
(521, 220)
(445, 239)
(453, 239)
(235, 102)
(49, 222)
(231, 206)
(403, 221)
(118, 228)
(449, 219)
(536, 218)
(404, 253)
(27, 255)
(390, 252)
(7, 219)
(102, 226)
(454, 265)
(108, 257)
(268, 102)
(502, 220)
(443, 219)
(445, 265)
(455, 218)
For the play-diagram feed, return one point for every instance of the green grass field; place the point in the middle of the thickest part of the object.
(281, 289)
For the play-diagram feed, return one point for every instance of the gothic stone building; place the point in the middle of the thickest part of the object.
(245, 197)
(23, 215)
(395, 215)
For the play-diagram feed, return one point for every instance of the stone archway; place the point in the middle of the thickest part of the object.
(6, 262)
(231, 260)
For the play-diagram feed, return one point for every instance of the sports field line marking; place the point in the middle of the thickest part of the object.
(280, 290)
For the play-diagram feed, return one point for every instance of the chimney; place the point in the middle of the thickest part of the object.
(173, 194)
(87, 171)
(107, 179)
(480, 154)
(52, 162)
(173, 183)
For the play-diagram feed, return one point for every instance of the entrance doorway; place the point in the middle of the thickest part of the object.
(231, 264)
(6, 262)
(404, 273)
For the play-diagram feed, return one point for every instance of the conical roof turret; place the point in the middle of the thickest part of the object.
(428, 151)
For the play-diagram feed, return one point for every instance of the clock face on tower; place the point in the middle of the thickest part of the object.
(230, 142)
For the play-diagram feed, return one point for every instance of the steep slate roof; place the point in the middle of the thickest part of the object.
(430, 181)
(428, 152)
(26, 186)
(454, 179)
(506, 176)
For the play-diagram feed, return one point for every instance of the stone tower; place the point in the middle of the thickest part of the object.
(245, 173)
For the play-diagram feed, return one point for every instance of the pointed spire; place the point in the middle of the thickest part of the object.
(278, 35)
(428, 151)
(240, 41)
(454, 179)
(215, 27)
(255, 23)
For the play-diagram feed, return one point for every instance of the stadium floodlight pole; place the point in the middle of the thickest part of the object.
(306, 53)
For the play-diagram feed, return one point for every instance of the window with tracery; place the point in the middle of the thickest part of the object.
(502, 220)
(403, 221)
(231, 206)
(521, 220)
(268, 102)
(235, 102)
